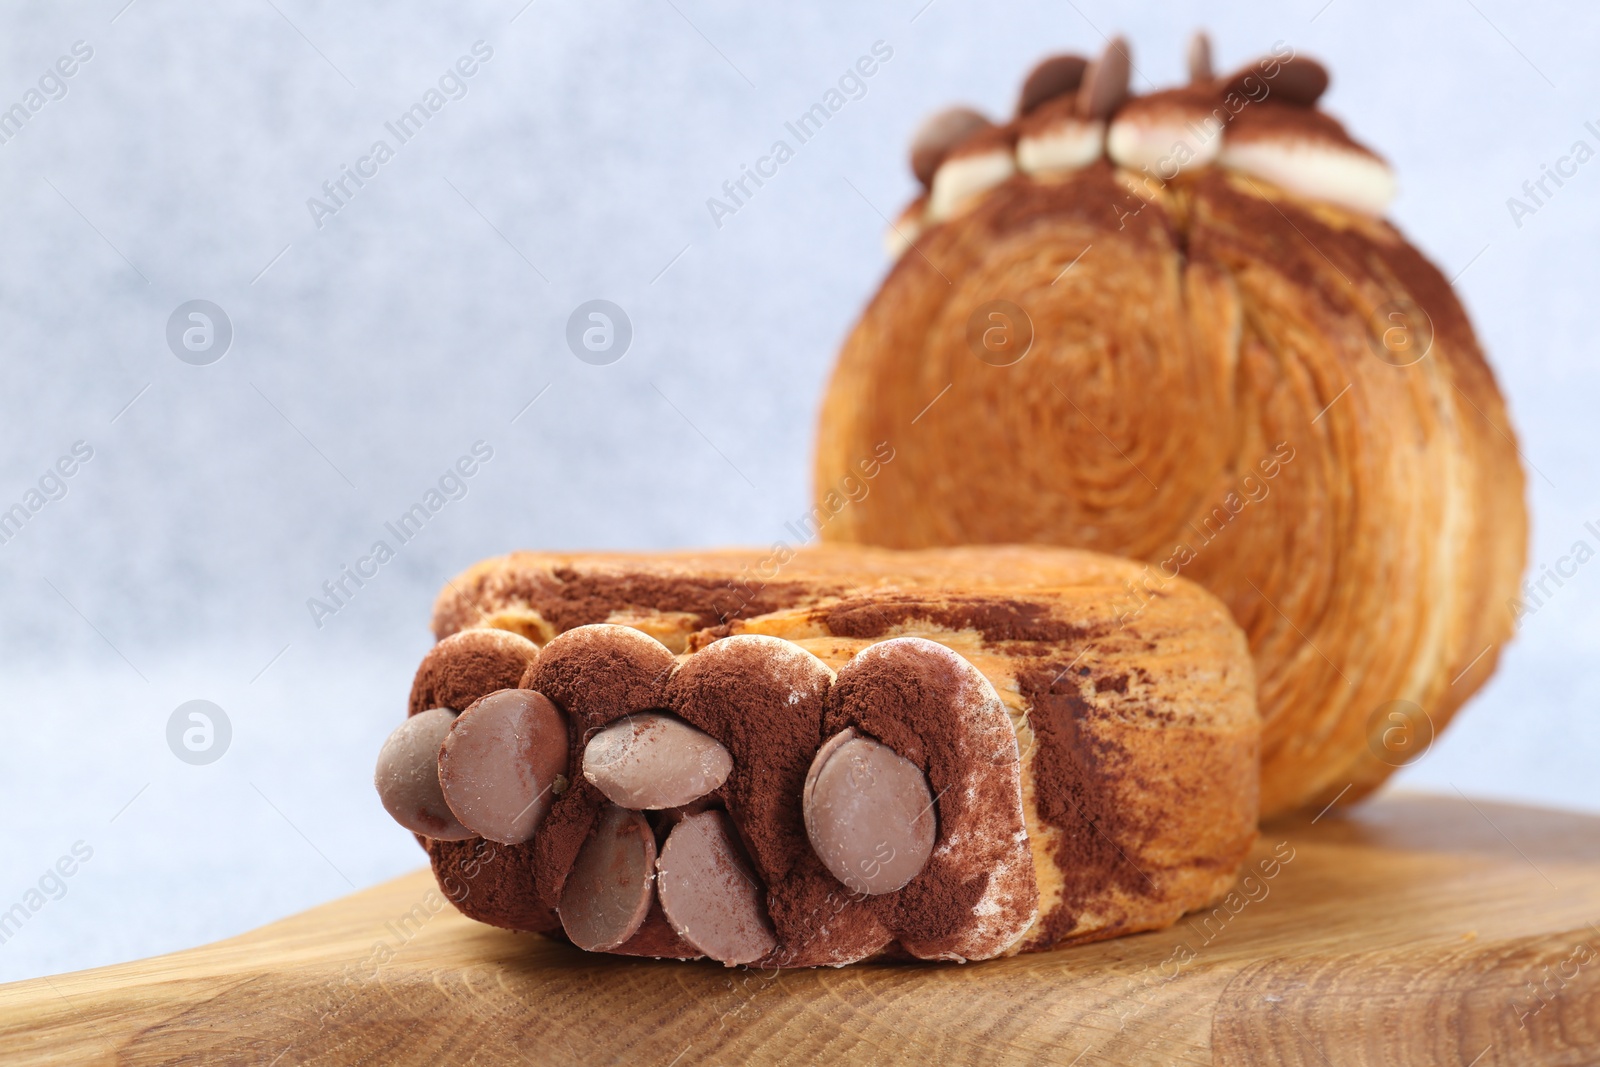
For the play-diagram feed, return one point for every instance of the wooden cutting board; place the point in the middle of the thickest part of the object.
(1412, 930)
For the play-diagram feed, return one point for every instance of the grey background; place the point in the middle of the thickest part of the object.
(371, 353)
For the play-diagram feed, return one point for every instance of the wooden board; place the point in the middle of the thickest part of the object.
(1412, 930)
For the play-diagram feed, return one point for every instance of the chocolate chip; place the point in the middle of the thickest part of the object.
(468, 665)
(709, 893)
(1200, 70)
(1301, 80)
(654, 761)
(501, 761)
(662, 820)
(1298, 80)
(1053, 77)
(938, 134)
(869, 813)
(408, 776)
(1105, 83)
(607, 894)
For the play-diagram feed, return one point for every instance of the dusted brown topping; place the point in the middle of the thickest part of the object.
(996, 618)
(983, 160)
(762, 699)
(709, 893)
(1186, 103)
(869, 814)
(1105, 83)
(596, 674)
(502, 762)
(408, 776)
(1056, 139)
(562, 598)
(976, 895)
(1062, 111)
(1068, 768)
(1281, 121)
(1168, 132)
(654, 761)
(938, 134)
(1054, 77)
(489, 882)
(609, 891)
(1308, 153)
(468, 665)
(600, 673)
(985, 141)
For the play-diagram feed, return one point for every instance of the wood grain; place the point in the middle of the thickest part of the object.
(1411, 930)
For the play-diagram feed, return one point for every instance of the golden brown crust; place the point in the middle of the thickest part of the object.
(1215, 329)
(1134, 717)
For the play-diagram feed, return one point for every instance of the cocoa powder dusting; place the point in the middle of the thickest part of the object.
(740, 694)
(489, 882)
(468, 666)
(1271, 118)
(743, 702)
(1091, 195)
(568, 598)
(908, 704)
(595, 676)
(1117, 683)
(1074, 779)
(997, 618)
(561, 836)
(1240, 232)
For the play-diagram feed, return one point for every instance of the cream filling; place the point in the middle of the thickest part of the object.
(1066, 145)
(1164, 145)
(1317, 171)
(963, 177)
(1161, 147)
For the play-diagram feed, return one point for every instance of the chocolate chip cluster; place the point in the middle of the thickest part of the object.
(742, 803)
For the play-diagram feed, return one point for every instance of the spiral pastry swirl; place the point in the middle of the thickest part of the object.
(1267, 392)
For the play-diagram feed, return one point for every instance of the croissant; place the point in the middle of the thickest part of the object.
(1175, 327)
(821, 755)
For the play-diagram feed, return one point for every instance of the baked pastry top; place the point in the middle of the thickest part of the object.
(1175, 327)
(810, 756)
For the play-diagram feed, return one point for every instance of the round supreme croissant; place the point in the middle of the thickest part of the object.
(816, 756)
(1176, 327)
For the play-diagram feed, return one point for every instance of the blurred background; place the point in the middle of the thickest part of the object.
(353, 348)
